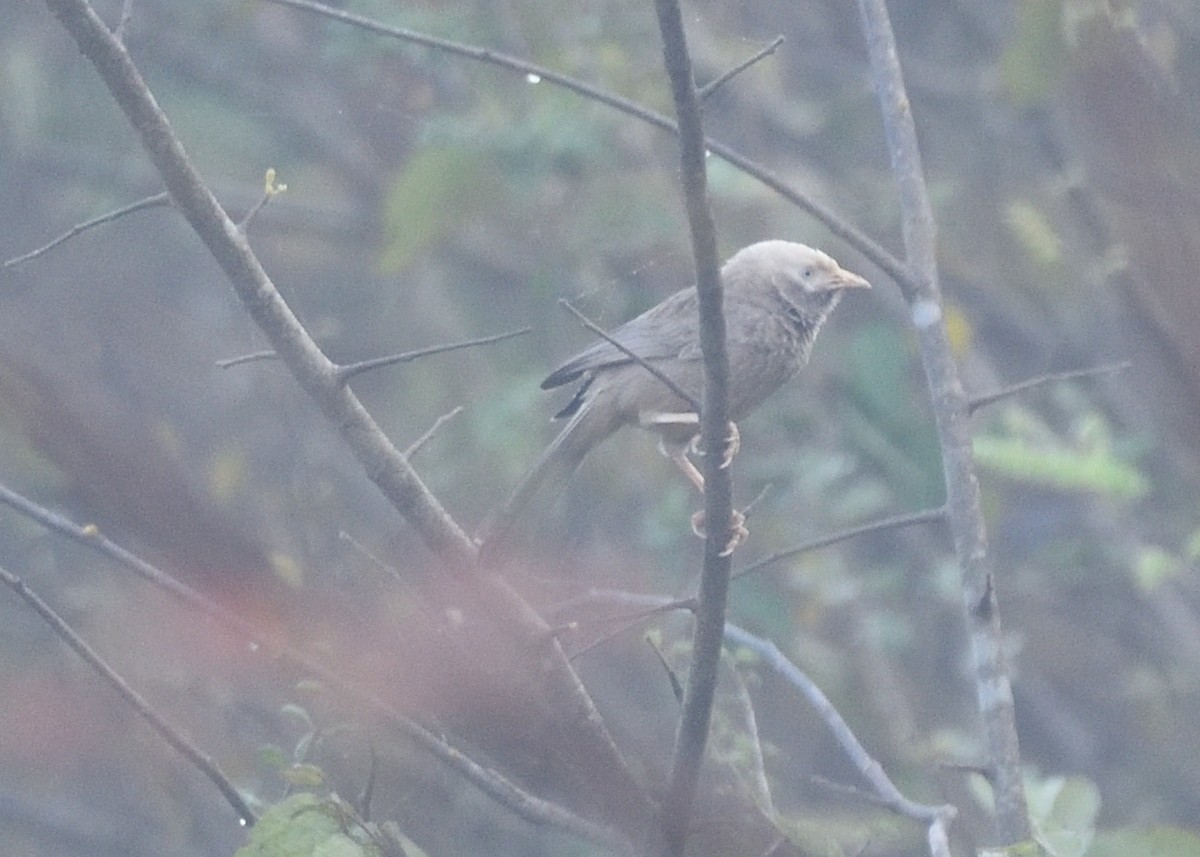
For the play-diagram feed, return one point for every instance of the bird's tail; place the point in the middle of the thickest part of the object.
(545, 481)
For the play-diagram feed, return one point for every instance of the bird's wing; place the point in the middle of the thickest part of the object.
(668, 329)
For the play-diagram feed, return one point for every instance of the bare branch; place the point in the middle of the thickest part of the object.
(713, 85)
(926, 516)
(361, 550)
(978, 402)
(168, 731)
(149, 202)
(649, 606)
(993, 690)
(416, 445)
(636, 358)
(344, 373)
(527, 70)
(230, 362)
(123, 23)
(672, 676)
(692, 735)
(868, 767)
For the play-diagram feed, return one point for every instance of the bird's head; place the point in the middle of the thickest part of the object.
(807, 282)
(794, 269)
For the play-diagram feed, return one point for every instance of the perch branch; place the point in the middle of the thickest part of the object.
(700, 691)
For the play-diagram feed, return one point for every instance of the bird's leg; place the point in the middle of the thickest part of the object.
(665, 424)
(677, 452)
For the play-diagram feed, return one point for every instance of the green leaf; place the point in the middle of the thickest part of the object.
(1063, 811)
(301, 826)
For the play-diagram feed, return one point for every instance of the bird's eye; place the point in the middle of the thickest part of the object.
(808, 273)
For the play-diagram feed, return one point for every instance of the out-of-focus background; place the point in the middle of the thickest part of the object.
(431, 199)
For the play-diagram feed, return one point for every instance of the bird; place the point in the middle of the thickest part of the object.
(777, 295)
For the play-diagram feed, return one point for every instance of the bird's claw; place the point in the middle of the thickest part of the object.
(737, 526)
(733, 443)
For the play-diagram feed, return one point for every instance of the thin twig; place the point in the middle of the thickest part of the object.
(978, 402)
(361, 549)
(713, 85)
(416, 445)
(840, 227)
(123, 22)
(672, 676)
(636, 358)
(868, 767)
(271, 189)
(149, 202)
(649, 606)
(230, 362)
(908, 519)
(169, 732)
(759, 498)
(345, 372)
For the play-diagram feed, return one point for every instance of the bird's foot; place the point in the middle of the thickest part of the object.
(733, 443)
(737, 527)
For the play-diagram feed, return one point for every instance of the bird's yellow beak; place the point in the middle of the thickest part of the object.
(844, 279)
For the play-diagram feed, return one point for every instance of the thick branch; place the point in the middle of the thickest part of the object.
(992, 687)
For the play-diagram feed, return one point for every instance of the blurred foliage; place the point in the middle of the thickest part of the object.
(1027, 452)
